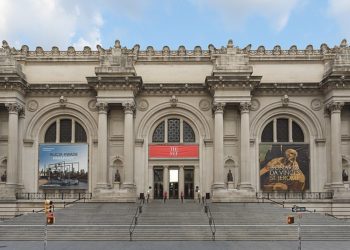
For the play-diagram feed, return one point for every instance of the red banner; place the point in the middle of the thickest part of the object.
(173, 151)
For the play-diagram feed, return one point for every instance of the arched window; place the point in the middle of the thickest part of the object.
(68, 131)
(174, 130)
(282, 130)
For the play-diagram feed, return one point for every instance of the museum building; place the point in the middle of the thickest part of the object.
(226, 122)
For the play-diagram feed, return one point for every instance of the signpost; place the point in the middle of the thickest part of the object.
(299, 210)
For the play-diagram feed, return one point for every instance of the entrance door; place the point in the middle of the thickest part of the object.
(189, 183)
(158, 183)
(173, 183)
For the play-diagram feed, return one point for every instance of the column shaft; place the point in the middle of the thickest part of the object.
(102, 145)
(219, 146)
(181, 180)
(336, 145)
(12, 156)
(129, 145)
(245, 182)
(166, 180)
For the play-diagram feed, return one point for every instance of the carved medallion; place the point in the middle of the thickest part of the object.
(32, 105)
(316, 104)
(92, 105)
(142, 105)
(204, 105)
(255, 105)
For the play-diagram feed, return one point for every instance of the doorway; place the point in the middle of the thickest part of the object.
(173, 183)
(189, 183)
(158, 183)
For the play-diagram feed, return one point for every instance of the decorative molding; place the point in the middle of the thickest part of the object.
(244, 107)
(32, 105)
(173, 101)
(218, 106)
(255, 104)
(143, 105)
(316, 104)
(204, 105)
(92, 105)
(63, 101)
(13, 107)
(102, 107)
(335, 106)
(129, 106)
(285, 100)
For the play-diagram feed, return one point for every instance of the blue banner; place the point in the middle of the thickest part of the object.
(63, 166)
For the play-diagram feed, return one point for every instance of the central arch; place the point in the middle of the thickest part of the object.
(167, 168)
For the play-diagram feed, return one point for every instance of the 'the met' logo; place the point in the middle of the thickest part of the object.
(173, 151)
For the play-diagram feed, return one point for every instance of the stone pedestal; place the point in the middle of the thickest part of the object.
(7, 191)
(230, 185)
(233, 195)
(116, 185)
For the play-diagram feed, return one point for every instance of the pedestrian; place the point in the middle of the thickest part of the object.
(182, 197)
(165, 196)
(148, 193)
(199, 196)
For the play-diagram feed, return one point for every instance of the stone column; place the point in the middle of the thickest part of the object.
(20, 146)
(102, 145)
(336, 159)
(166, 180)
(129, 108)
(219, 146)
(327, 120)
(245, 182)
(181, 180)
(12, 155)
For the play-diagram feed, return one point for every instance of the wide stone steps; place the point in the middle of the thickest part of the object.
(173, 221)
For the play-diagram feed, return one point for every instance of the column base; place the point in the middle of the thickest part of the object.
(129, 186)
(245, 186)
(218, 186)
(7, 191)
(101, 186)
(233, 195)
(338, 187)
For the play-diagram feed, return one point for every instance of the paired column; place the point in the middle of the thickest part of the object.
(20, 145)
(166, 180)
(102, 145)
(336, 162)
(181, 180)
(245, 140)
(12, 155)
(219, 146)
(129, 108)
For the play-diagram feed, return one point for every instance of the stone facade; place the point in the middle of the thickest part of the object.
(227, 96)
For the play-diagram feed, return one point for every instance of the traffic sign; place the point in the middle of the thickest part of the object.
(298, 209)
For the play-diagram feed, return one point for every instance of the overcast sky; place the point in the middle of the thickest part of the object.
(157, 23)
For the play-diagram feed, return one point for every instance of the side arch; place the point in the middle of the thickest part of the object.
(47, 113)
(309, 121)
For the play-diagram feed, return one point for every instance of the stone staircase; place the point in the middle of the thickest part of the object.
(174, 221)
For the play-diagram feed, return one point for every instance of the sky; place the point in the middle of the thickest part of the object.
(157, 23)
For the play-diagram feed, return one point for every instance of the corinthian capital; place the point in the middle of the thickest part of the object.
(244, 106)
(14, 107)
(129, 106)
(218, 106)
(102, 107)
(335, 106)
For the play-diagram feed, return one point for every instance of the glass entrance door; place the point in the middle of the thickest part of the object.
(173, 183)
(189, 183)
(158, 183)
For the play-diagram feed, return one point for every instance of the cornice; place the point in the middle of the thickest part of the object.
(181, 54)
(174, 88)
(60, 90)
(300, 89)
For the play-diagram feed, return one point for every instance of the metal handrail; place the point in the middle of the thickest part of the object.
(294, 195)
(44, 196)
(134, 220)
(211, 220)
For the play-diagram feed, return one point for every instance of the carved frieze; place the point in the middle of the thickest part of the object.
(255, 105)
(316, 104)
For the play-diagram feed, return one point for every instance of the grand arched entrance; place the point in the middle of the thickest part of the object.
(174, 157)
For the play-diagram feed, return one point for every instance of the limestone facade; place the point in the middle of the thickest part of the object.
(227, 96)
